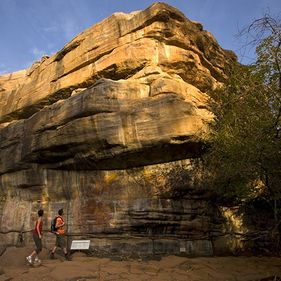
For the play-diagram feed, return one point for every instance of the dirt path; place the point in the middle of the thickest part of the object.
(82, 268)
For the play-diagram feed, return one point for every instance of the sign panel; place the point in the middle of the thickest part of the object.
(80, 245)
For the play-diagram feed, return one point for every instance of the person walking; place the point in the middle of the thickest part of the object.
(60, 235)
(37, 238)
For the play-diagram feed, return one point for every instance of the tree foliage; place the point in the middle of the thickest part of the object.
(244, 159)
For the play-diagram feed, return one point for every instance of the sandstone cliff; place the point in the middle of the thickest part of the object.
(107, 128)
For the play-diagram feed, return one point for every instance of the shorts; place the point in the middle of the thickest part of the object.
(38, 243)
(60, 241)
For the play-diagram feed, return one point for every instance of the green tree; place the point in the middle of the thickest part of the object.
(244, 158)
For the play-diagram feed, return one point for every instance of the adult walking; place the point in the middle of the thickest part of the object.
(37, 238)
(60, 235)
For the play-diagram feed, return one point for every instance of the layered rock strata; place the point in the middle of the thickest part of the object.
(107, 128)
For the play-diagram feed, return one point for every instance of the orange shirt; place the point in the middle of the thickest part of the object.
(59, 221)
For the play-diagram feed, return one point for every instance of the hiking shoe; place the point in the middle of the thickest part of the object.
(37, 260)
(52, 256)
(29, 259)
(67, 257)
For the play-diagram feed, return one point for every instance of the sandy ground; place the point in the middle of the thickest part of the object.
(83, 268)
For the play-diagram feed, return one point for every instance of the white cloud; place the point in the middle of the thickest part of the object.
(69, 28)
(51, 47)
(52, 28)
(38, 53)
(3, 69)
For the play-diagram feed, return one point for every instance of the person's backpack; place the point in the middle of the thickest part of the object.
(53, 225)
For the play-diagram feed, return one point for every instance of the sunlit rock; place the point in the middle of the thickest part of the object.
(108, 128)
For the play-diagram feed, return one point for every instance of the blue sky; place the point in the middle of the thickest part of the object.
(30, 29)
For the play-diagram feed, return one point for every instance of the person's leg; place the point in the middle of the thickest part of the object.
(54, 249)
(52, 255)
(33, 253)
(62, 244)
(38, 249)
(37, 242)
(29, 258)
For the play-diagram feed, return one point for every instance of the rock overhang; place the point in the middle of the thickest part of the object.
(127, 86)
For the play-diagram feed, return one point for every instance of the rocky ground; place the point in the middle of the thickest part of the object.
(85, 268)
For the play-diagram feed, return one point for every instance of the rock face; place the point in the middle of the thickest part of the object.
(107, 128)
